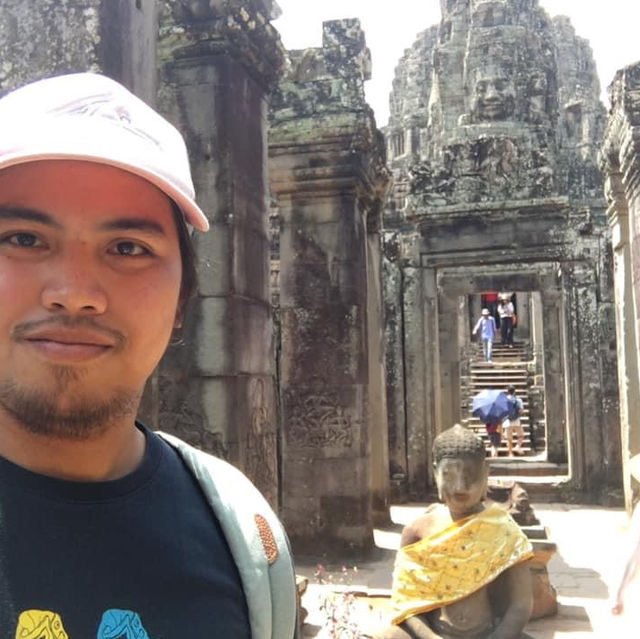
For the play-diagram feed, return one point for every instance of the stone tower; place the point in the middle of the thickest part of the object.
(492, 139)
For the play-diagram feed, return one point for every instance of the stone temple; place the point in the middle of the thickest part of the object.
(493, 136)
(330, 340)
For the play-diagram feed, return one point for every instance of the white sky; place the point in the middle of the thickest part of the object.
(611, 26)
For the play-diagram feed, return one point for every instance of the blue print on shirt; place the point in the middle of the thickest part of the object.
(121, 624)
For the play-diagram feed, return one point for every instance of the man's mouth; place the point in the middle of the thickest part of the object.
(67, 344)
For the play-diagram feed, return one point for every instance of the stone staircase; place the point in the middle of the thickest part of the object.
(510, 367)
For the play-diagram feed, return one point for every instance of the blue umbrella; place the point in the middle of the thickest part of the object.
(491, 406)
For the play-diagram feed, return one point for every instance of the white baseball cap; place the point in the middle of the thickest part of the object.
(87, 116)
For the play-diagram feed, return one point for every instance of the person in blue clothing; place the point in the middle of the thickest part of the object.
(512, 423)
(487, 327)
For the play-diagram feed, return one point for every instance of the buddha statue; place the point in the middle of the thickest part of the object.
(462, 567)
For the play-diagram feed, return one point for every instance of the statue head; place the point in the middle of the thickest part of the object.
(460, 470)
(493, 95)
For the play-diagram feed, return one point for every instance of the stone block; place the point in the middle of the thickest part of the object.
(214, 354)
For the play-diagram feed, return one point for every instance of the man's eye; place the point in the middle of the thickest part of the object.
(129, 249)
(24, 240)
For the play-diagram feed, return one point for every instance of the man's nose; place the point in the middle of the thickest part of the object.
(72, 286)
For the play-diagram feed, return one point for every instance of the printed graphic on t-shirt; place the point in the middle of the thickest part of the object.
(115, 624)
(40, 624)
(121, 624)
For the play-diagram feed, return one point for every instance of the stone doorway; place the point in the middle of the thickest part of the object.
(520, 365)
(437, 306)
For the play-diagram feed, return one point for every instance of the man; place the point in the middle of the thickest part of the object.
(107, 529)
(461, 570)
(487, 327)
(506, 311)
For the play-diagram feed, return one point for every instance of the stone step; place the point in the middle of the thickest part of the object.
(533, 466)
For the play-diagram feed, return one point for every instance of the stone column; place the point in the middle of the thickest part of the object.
(448, 314)
(620, 162)
(380, 470)
(328, 174)
(41, 38)
(421, 352)
(627, 342)
(217, 62)
(393, 285)
(594, 442)
(555, 360)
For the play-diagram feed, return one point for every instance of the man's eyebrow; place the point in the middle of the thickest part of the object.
(28, 215)
(133, 224)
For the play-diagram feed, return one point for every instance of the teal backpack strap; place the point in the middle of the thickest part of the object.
(257, 541)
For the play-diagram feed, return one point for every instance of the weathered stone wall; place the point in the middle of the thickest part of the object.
(45, 37)
(620, 162)
(504, 192)
(216, 387)
(581, 114)
(328, 175)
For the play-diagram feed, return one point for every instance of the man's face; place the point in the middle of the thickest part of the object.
(462, 483)
(90, 272)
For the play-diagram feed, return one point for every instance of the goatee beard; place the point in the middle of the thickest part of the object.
(82, 418)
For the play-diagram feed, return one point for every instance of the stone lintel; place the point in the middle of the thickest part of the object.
(319, 162)
(199, 28)
(461, 210)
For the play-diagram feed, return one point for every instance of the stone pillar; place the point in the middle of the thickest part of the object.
(41, 38)
(595, 443)
(554, 375)
(448, 314)
(620, 162)
(217, 63)
(328, 174)
(380, 470)
(422, 364)
(627, 342)
(523, 329)
(393, 285)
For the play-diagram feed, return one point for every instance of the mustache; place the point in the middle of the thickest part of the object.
(23, 330)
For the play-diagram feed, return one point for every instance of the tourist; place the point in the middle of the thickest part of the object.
(451, 577)
(512, 423)
(487, 327)
(106, 528)
(494, 432)
(506, 311)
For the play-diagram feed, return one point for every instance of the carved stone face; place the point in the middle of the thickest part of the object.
(493, 97)
(462, 484)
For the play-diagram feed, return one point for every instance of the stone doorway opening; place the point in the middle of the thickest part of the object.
(517, 363)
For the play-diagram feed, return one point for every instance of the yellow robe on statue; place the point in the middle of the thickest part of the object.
(456, 562)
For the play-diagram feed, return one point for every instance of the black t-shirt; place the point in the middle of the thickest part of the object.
(140, 557)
